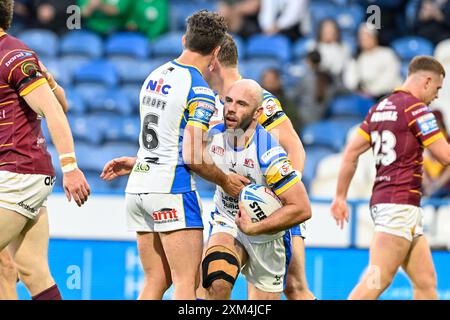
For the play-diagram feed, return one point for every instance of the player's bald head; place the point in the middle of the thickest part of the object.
(6, 13)
(251, 90)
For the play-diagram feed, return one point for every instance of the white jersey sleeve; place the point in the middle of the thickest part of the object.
(172, 96)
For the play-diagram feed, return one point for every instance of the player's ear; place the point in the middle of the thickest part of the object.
(183, 40)
(258, 112)
(216, 52)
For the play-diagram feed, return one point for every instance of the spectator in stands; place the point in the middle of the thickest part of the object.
(436, 178)
(288, 17)
(375, 70)
(105, 16)
(433, 20)
(334, 53)
(150, 17)
(241, 16)
(314, 92)
(23, 15)
(52, 14)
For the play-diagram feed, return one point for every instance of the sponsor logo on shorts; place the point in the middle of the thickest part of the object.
(277, 280)
(49, 181)
(27, 207)
(165, 215)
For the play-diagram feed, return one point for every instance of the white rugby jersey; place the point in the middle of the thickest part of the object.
(263, 161)
(272, 115)
(172, 96)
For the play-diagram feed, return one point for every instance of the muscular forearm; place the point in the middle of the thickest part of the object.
(60, 95)
(284, 218)
(346, 173)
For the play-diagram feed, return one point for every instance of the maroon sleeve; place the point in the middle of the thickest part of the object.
(20, 69)
(423, 124)
(363, 129)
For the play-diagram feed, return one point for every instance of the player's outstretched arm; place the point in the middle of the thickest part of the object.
(441, 151)
(118, 167)
(290, 141)
(197, 158)
(43, 102)
(357, 146)
(295, 210)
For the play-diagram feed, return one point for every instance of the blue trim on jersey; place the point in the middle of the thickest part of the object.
(296, 231)
(192, 211)
(182, 180)
(265, 142)
(216, 129)
(288, 252)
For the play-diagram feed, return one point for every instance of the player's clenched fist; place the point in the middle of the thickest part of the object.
(76, 186)
(339, 211)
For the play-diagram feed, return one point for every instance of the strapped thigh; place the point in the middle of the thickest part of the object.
(220, 263)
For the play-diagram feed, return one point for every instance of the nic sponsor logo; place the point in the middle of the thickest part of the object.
(158, 87)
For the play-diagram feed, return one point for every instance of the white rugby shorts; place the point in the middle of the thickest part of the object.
(398, 219)
(25, 193)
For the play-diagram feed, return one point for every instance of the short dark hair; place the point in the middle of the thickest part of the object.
(6, 13)
(334, 23)
(205, 31)
(228, 54)
(426, 63)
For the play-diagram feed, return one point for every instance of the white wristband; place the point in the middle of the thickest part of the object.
(67, 155)
(69, 167)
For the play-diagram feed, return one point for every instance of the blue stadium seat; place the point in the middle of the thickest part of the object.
(111, 100)
(328, 133)
(409, 47)
(70, 64)
(351, 105)
(132, 91)
(75, 101)
(179, 12)
(130, 44)
(321, 10)
(44, 42)
(82, 43)
(109, 125)
(240, 44)
(131, 128)
(134, 70)
(277, 47)
(254, 68)
(168, 45)
(88, 91)
(85, 130)
(97, 71)
(314, 155)
(349, 18)
(302, 46)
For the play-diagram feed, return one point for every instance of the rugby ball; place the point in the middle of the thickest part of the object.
(259, 201)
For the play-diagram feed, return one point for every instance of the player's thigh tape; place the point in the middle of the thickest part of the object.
(220, 263)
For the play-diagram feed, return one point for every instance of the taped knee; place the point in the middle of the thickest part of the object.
(219, 263)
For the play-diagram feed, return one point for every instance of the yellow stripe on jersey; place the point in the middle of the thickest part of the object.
(274, 162)
(415, 191)
(413, 106)
(276, 122)
(363, 134)
(277, 171)
(287, 186)
(197, 124)
(32, 86)
(432, 139)
(7, 102)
